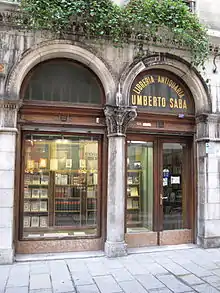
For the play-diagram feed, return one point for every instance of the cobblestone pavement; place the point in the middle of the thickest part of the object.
(187, 270)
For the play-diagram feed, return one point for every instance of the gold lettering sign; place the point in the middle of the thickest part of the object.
(159, 93)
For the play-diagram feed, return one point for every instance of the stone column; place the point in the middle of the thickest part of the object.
(8, 121)
(117, 120)
(208, 159)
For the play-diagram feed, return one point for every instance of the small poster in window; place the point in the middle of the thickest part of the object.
(165, 181)
(42, 163)
(69, 163)
(175, 179)
(30, 164)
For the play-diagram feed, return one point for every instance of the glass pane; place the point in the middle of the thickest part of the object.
(172, 198)
(63, 81)
(60, 186)
(140, 186)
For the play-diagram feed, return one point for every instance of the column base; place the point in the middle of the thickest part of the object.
(213, 242)
(6, 256)
(115, 249)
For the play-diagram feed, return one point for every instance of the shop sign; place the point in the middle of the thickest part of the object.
(159, 93)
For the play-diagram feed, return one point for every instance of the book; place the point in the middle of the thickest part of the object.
(27, 179)
(27, 193)
(43, 221)
(64, 179)
(36, 179)
(35, 193)
(27, 206)
(35, 221)
(129, 203)
(43, 193)
(35, 206)
(43, 206)
(134, 191)
(27, 222)
(44, 179)
(130, 180)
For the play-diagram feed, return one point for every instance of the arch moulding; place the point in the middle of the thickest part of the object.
(178, 67)
(59, 49)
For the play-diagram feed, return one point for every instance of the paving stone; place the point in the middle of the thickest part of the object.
(112, 263)
(192, 280)
(174, 284)
(197, 270)
(82, 278)
(17, 290)
(149, 282)
(132, 287)
(216, 272)
(164, 290)
(107, 284)
(39, 268)
(40, 281)
(18, 278)
(62, 286)
(121, 275)
(205, 288)
(175, 268)
(155, 269)
(41, 291)
(213, 280)
(76, 265)
(88, 289)
(97, 269)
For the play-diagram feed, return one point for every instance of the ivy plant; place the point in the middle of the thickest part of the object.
(141, 20)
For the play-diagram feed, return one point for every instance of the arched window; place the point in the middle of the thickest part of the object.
(62, 80)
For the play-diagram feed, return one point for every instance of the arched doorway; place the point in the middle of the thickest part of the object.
(61, 186)
(160, 195)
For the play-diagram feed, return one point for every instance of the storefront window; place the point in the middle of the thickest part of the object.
(140, 186)
(61, 186)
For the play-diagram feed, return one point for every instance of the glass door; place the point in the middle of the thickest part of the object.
(159, 197)
(175, 198)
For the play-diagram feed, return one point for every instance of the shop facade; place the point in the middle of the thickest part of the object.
(100, 161)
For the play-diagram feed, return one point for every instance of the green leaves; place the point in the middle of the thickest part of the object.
(102, 18)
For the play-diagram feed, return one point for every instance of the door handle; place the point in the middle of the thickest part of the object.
(162, 198)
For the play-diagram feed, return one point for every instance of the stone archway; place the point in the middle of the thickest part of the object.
(175, 65)
(59, 49)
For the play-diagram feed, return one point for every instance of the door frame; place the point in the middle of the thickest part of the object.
(188, 235)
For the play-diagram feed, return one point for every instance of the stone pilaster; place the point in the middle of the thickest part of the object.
(208, 160)
(117, 120)
(8, 121)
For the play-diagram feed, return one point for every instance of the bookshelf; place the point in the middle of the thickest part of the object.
(134, 198)
(36, 205)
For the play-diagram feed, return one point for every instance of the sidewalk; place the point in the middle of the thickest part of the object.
(187, 270)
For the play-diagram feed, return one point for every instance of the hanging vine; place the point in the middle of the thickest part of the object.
(140, 20)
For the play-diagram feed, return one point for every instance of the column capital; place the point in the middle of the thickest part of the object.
(8, 114)
(118, 119)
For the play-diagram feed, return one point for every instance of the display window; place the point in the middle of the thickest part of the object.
(60, 186)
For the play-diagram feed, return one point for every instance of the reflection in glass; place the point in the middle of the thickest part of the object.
(60, 186)
(139, 186)
(172, 198)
